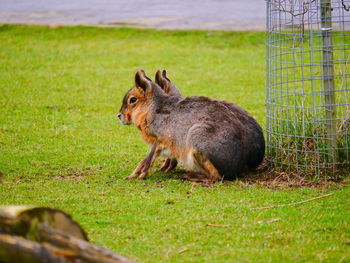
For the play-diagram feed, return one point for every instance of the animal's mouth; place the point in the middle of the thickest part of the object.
(121, 118)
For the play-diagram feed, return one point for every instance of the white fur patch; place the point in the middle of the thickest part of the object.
(166, 153)
(188, 161)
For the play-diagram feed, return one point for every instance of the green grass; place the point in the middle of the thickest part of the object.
(62, 146)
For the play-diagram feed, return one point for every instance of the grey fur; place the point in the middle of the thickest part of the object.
(255, 142)
(230, 138)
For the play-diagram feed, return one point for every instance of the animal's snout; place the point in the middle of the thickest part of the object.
(121, 118)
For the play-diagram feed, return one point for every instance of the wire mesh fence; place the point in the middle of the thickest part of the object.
(308, 85)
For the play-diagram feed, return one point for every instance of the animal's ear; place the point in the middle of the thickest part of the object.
(159, 79)
(163, 81)
(164, 75)
(144, 74)
(142, 81)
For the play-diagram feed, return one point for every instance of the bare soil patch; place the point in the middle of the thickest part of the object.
(76, 173)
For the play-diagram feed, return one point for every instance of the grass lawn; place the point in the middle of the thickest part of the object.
(62, 146)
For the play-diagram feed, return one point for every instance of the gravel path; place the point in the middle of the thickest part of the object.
(174, 14)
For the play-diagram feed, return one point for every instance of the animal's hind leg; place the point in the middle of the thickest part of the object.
(206, 171)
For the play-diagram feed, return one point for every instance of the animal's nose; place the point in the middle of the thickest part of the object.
(119, 116)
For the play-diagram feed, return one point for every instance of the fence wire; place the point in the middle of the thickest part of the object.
(308, 85)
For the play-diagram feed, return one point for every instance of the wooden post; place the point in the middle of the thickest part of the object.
(41, 235)
(328, 77)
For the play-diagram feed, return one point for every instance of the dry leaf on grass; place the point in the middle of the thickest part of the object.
(217, 225)
(269, 220)
(182, 250)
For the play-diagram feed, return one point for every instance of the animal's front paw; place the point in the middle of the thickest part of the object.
(142, 176)
(132, 176)
(165, 166)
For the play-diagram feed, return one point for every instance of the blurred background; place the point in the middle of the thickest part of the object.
(176, 14)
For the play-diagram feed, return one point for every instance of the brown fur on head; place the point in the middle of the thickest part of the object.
(136, 102)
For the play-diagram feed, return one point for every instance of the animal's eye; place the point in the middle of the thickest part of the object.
(133, 100)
